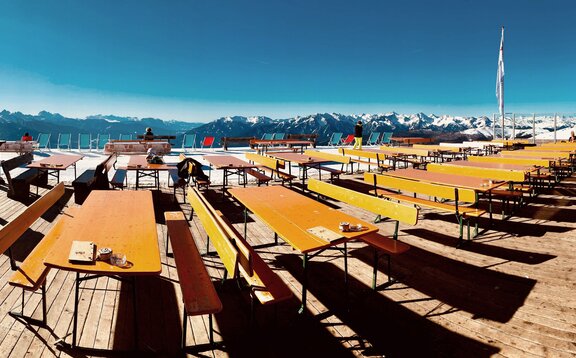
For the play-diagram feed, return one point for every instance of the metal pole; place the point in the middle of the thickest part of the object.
(503, 126)
(533, 128)
(494, 126)
(554, 127)
(514, 126)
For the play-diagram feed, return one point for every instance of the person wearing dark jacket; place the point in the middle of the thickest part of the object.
(358, 135)
(148, 135)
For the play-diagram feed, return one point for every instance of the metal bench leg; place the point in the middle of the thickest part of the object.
(375, 269)
(184, 328)
(44, 314)
(211, 329)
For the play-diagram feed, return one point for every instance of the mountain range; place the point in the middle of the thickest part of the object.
(444, 128)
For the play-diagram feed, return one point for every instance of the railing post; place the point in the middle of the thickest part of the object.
(533, 128)
(513, 126)
(554, 127)
(494, 126)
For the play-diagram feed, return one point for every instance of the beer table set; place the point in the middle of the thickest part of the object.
(54, 164)
(143, 169)
(304, 162)
(121, 220)
(230, 165)
(309, 226)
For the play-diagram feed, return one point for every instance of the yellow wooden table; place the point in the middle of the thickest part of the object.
(121, 220)
(291, 215)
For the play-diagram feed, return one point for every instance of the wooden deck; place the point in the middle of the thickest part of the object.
(510, 293)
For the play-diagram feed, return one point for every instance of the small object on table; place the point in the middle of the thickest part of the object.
(82, 251)
(344, 226)
(104, 254)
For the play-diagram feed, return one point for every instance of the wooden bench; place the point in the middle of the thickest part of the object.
(225, 141)
(391, 188)
(261, 178)
(312, 137)
(192, 170)
(157, 137)
(15, 228)
(19, 186)
(518, 180)
(97, 179)
(379, 158)
(272, 165)
(120, 179)
(388, 245)
(544, 174)
(198, 292)
(238, 257)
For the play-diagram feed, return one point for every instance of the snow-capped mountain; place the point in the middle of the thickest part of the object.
(14, 124)
(443, 127)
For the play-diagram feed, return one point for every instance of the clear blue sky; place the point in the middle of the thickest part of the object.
(199, 60)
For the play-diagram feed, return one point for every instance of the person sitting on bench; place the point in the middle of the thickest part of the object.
(26, 137)
(148, 135)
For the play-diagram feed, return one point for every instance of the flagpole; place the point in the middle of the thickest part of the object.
(500, 81)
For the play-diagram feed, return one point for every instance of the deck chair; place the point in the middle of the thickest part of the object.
(373, 139)
(207, 142)
(348, 140)
(279, 135)
(43, 141)
(84, 141)
(189, 141)
(102, 140)
(125, 137)
(268, 136)
(64, 140)
(335, 139)
(386, 138)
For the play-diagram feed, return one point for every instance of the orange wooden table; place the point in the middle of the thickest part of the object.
(290, 214)
(53, 164)
(144, 169)
(304, 162)
(230, 166)
(121, 220)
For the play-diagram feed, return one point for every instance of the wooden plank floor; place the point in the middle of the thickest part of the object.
(509, 293)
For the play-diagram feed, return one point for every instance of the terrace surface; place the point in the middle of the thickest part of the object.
(509, 293)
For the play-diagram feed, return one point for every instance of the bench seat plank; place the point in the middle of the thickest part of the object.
(119, 178)
(260, 177)
(198, 292)
(384, 243)
(267, 286)
(32, 272)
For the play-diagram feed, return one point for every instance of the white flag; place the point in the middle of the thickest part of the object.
(500, 76)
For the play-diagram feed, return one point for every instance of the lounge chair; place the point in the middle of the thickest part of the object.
(348, 140)
(373, 139)
(64, 140)
(335, 139)
(386, 138)
(85, 141)
(207, 142)
(43, 141)
(189, 141)
(102, 140)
